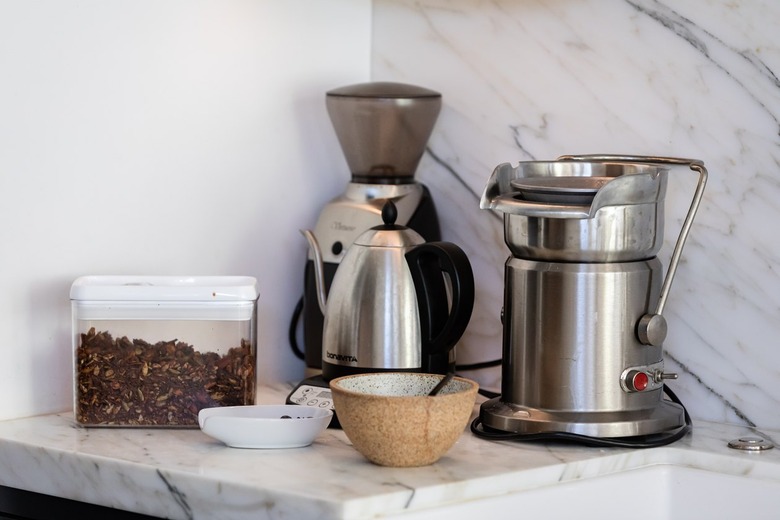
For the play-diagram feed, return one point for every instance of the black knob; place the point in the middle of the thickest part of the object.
(389, 213)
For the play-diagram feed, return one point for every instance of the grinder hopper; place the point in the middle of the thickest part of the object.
(383, 128)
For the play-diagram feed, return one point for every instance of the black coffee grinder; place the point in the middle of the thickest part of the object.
(383, 129)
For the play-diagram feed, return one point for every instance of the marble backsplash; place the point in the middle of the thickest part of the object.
(535, 79)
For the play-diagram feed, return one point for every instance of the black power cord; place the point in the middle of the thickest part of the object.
(291, 332)
(480, 366)
(643, 441)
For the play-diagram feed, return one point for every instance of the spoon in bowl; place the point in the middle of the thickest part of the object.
(441, 384)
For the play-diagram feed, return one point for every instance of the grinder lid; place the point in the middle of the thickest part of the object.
(383, 128)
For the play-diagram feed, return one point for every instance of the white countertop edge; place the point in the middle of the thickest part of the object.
(185, 474)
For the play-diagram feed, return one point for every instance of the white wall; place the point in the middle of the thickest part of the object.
(161, 137)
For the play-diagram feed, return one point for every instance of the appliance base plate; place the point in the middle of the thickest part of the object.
(510, 417)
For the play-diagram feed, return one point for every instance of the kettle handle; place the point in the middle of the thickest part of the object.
(441, 326)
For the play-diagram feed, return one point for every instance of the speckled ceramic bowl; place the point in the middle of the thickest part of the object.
(392, 421)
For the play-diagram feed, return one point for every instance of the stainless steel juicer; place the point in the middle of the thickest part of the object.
(584, 295)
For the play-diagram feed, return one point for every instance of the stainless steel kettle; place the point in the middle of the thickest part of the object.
(396, 303)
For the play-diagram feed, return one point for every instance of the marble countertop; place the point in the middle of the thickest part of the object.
(176, 473)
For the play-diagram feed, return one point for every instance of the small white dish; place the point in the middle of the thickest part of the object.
(264, 426)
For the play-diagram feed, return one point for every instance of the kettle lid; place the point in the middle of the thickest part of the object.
(390, 234)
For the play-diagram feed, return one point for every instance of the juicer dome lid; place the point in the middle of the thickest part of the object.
(572, 189)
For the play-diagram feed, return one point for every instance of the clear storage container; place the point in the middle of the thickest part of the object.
(152, 351)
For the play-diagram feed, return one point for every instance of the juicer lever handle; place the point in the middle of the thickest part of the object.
(652, 327)
(441, 324)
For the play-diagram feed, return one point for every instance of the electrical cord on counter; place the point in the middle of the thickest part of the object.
(291, 333)
(488, 393)
(480, 366)
(644, 441)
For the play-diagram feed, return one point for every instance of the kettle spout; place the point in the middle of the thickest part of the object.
(319, 271)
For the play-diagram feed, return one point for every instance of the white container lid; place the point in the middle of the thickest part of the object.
(165, 288)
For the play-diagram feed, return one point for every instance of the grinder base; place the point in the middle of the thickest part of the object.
(509, 417)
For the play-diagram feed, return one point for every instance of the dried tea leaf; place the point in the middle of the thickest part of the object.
(136, 383)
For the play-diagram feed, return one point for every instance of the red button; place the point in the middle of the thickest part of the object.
(640, 381)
